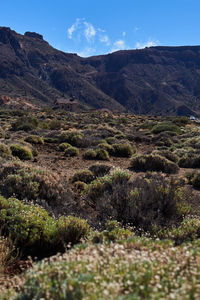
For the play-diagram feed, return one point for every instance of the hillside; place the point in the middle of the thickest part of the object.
(156, 80)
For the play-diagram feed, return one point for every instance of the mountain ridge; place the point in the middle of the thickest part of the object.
(157, 80)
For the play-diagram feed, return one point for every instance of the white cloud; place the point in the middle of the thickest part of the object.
(87, 52)
(74, 27)
(149, 43)
(89, 31)
(104, 39)
(119, 45)
(123, 33)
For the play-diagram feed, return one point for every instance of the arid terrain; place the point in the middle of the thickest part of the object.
(155, 80)
(99, 206)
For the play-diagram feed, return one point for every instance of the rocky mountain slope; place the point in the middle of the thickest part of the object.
(156, 80)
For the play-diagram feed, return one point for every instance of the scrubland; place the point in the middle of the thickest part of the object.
(99, 206)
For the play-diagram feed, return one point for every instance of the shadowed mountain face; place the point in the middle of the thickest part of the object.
(157, 80)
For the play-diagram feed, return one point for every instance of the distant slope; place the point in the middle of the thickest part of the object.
(157, 80)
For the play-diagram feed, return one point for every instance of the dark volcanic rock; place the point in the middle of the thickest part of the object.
(33, 35)
(156, 80)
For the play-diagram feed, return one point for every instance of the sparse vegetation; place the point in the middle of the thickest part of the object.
(22, 152)
(144, 234)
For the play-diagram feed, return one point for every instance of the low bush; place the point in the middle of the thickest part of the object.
(90, 154)
(26, 182)
(188, 230)
(190, 160)
(166, 126)
(71, 151)
(72, 229)
(36, 233)
(153, 163)
(34, 139)
(144, 202)
(100, 170)
(194, 178)
(104, 184)
(75, 138)
(22, 152)
(83, 175)
(102, 154)
(123, 150)
(64, 146)
(80, 185)
(106, 147)
(167, 154)
(25, 123)
(5, 151)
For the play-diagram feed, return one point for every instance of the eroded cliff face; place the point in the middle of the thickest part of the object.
(157, 80)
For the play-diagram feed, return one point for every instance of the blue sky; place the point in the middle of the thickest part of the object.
(92, 27)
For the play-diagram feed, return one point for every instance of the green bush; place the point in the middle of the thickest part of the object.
(123, 150)
(26, 182)
(194, 179)
(34, 139)
(167, 154)
(83, 175)
(36, 233)
(90, 154)
(102, 154)
(100, 170)
(25, 123)
(153, 163)
(143, 202)
(72, 229)
(166, 126)
(103, 184)
(188, 230)
(71, 151)
(21, 152)
(106, 147)
(5, 151)
(75, 138)
(64, 146)
(190, 160)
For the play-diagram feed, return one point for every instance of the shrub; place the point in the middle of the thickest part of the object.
(188, 230)
(72, 229)
(80, 186)
(75, 138)
(71, 151)
(147, 201)
(90, 154)
(2, 133)
(153, 163)
(30, 183)
(50, 140)
(167, 154)
(34, 232)
(34, 139)
(64, 146)
(25, 123)
(100, 170)
(83, 175)
(102, 154)
(194, 179)
(104, 184)
(5, 151)
(123, 150)
(190, 160)
(21, 152)
(106, 147)
(166, 126)
(111, 140)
